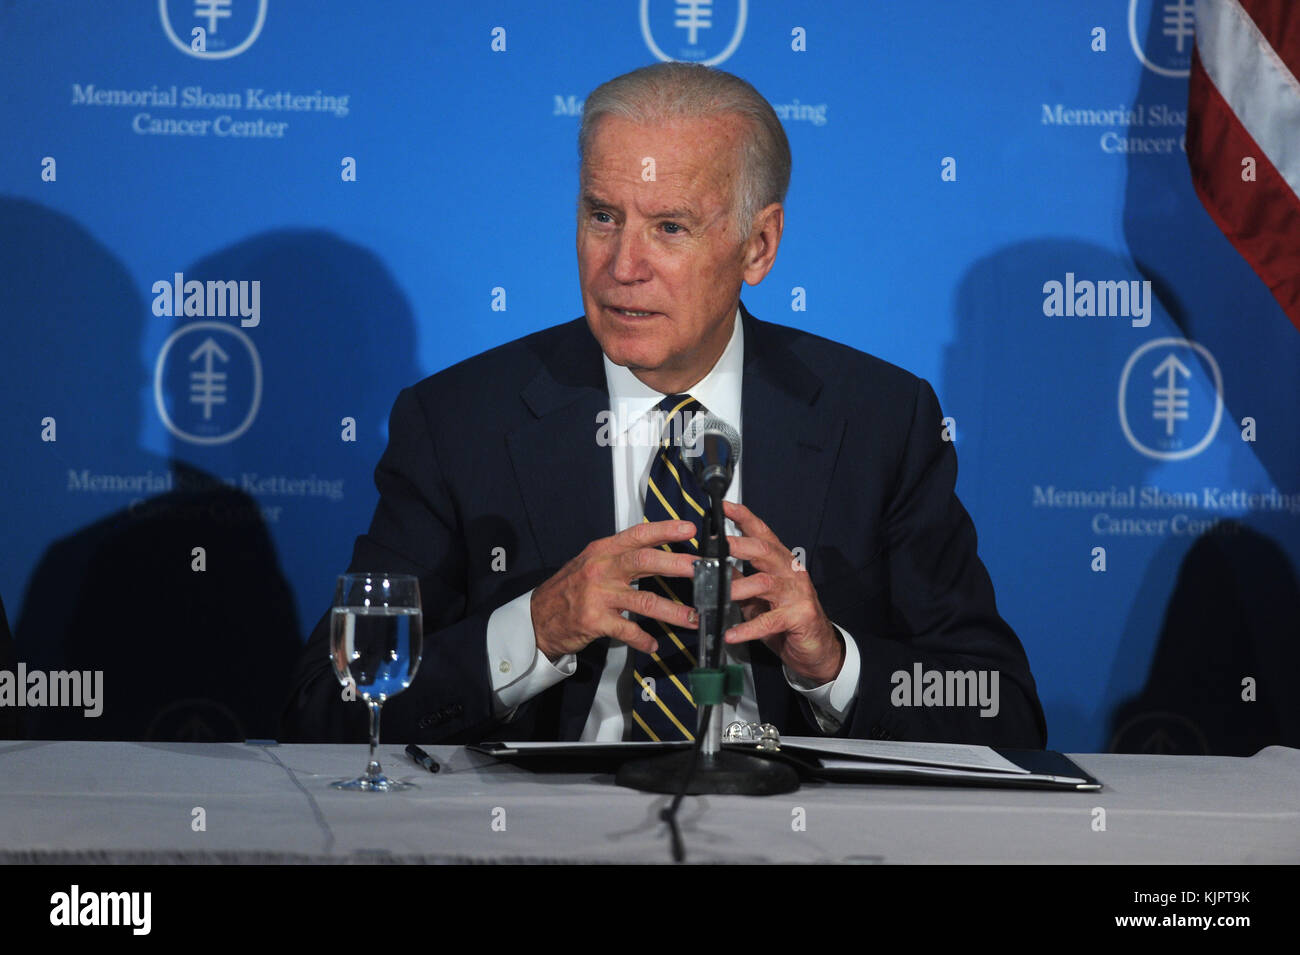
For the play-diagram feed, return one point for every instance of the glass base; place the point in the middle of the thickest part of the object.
(373, 784)
(373, 780)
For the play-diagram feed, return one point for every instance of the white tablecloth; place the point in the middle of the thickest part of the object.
(138, 802)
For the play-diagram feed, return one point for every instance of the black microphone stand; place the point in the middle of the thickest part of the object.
(706, 767)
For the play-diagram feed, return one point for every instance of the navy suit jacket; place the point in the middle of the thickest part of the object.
(497, 457)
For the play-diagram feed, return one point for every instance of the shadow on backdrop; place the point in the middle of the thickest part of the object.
(337, 341)
(187, 654)
(1234, 611)
(1208, 611)
(180, 658)
(1043, 422)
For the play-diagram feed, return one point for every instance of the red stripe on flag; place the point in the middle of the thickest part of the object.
(1260, 218)
(1279, 21)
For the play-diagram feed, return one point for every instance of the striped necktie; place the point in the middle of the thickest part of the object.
(663, 708)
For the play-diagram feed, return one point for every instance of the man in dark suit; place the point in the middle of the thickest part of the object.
(511, 489)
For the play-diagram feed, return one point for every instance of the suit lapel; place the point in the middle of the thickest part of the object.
(566, 479)
(790, 445)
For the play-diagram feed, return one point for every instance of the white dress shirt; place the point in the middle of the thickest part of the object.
(520, 671)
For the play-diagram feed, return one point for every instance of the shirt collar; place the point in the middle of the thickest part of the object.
(630, 399)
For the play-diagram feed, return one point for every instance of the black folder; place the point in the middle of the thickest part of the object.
(1044, 769)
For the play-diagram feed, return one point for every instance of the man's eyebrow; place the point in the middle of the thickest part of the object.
(592, 201)
(682, 213)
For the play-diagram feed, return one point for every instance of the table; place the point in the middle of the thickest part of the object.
(91, 802)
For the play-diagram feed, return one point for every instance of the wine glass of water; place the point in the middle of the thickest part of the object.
(376, 635)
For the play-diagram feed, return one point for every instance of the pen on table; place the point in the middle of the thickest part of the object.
(423, 758)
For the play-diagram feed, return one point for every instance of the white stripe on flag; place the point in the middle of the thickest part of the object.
(1253, 80)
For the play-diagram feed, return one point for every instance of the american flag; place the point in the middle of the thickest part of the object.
(1243, 133)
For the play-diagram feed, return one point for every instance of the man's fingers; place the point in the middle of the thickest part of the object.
(755, 585)
(653, 533)
(749, 523)
(652, 605)
(764, 625)
(649, 561)
(763, 554)
(625, 631)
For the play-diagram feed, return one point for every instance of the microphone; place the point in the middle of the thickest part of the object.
(713, 448)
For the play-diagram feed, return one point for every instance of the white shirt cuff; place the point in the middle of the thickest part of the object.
(831, 701)
(518, 670)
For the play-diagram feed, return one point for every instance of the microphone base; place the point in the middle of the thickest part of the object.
(723, 773)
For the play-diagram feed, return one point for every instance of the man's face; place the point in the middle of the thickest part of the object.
(663, 245)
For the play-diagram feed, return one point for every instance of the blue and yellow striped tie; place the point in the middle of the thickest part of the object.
(663, 708)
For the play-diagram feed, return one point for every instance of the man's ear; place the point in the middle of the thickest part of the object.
(763, 241)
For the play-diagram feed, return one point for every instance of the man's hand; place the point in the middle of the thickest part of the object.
(586, 597)
(780, 604)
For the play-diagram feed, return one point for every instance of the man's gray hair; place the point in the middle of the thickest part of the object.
(662, 92)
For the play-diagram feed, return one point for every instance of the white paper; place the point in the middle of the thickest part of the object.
(954, 755)
(551, 744)
(858, 765)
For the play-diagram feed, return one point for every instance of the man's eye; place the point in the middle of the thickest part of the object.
(607, 217)
(673, 228)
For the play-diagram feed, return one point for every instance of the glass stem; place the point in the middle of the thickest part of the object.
(373, 769)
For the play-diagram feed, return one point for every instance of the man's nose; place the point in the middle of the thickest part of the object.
(629, 262)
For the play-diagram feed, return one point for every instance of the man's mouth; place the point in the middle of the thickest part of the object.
(630, 313)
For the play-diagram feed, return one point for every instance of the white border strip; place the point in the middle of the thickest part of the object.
(1253, 80)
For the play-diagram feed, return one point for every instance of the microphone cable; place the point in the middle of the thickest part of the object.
(669, 815)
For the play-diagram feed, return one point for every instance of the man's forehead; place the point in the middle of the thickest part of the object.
(684, 145)
(678, 166)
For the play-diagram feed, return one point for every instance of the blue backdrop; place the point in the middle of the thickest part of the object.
(390, 188)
